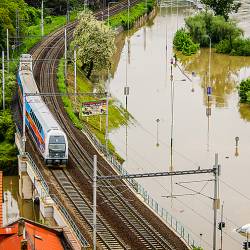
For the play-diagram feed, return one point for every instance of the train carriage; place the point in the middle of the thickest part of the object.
(47, 134)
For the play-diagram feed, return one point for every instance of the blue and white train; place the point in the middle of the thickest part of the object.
(47, 134)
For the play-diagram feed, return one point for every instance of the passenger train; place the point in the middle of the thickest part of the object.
(47, 134)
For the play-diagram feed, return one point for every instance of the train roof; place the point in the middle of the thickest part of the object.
(44, 115)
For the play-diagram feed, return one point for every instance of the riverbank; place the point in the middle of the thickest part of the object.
(118, 116)
(196, 137)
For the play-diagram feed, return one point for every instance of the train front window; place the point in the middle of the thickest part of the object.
(57, 147)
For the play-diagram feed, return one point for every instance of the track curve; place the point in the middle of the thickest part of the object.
(132, 224)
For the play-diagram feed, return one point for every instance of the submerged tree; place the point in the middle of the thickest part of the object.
(222, 7)
(94, 42)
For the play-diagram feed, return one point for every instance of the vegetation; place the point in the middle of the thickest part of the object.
(117, 115)
(8, 10)
(205, 25)
(95, 43)
(8, 151)
(197, 248)
(57, 7)
(238, 47)
(225, 36)
(121, 19)
(184, 43)
(222, 8)
(244, 91)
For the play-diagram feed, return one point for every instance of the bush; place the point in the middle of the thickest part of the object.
(183, 42)
(244, 91)
(239, 47)
(48, 19)
(205, 25)
(136, 11)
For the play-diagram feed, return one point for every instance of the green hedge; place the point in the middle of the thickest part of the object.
(244, 91)
(183, 42)
(135, 12)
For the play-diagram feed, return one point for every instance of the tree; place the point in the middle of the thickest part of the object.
(222, 7)
(94, 42)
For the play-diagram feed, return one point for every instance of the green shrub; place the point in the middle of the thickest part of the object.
(183, 42)
(205, 25)
(244, 91)
(239, 47)
(48, 19)
(223, 47)
(136, 11)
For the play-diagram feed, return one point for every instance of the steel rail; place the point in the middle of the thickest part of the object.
(85, 161)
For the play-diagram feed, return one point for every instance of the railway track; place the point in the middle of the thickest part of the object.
(116, 209)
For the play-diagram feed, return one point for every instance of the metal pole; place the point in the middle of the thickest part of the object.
(65, 54)
(75, 72)
(42, 21)
(221, 226)
(108, 14)
(107, 113)
(67, 15)
(16, 38)
(94, 201)
(172, 129)
(209, 63)
(8, 50)
(24, 114)
(215, 199)
(128, 13)
(177, 21)
(3, 81)
(247, 240)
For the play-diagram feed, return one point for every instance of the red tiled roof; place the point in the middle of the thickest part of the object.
(38, 237)
(1, 198)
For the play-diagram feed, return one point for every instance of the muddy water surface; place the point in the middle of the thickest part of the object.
(13, 206)
(196, 136)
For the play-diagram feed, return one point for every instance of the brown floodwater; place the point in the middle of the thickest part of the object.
(13, 206)
(196, 136)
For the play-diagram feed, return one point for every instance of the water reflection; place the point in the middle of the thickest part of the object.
(224, 73)
(13, 206)
(244, 110)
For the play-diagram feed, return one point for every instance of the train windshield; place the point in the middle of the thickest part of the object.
(57, 144)
(57, 147)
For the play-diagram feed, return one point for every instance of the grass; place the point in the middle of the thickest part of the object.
(136, 11)
(96, 124)
(8, 151)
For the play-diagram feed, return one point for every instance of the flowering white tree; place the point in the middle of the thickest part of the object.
(94, 43)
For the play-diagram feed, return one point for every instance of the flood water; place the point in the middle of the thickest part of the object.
(196, 136)
(13, 206)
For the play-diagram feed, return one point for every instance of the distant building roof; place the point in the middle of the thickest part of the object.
(28, 235)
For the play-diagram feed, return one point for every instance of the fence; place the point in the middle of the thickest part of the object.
(45, 192)
(153, 204)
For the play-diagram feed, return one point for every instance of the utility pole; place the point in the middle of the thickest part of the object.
(17, 28)
(215, 170)
(8, 50)
(172, 128)
(107, 113)
(221, 221)
(3, 81)
(216, 200)
(65, 54)
(42, 21)
(94, 201)
(67, 14)
(75, 72)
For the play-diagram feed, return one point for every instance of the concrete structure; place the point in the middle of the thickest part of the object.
(33, 186)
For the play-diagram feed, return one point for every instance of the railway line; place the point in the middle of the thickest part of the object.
(123, 221)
